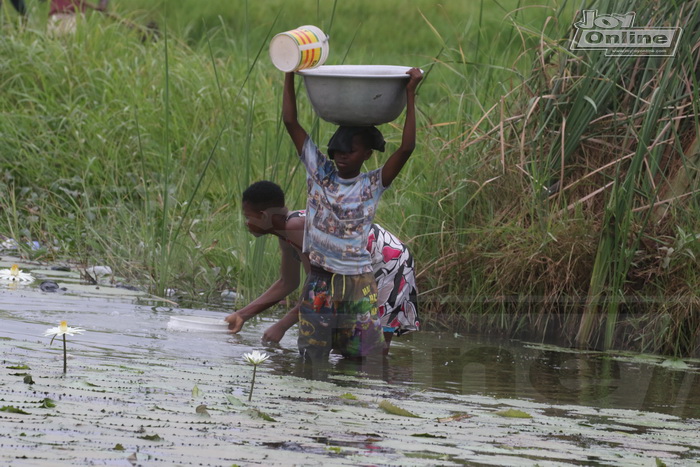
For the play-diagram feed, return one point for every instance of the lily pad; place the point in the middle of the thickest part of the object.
(233, 400)
(255, 413)
(454, 418)
(47, 404)
(513, 413)
(388, 407)
(202, 410)
(89, 384)
(12, 409)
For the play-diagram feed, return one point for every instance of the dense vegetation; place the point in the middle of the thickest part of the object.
(553, 192)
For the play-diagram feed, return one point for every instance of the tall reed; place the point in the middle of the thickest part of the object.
(594, 141)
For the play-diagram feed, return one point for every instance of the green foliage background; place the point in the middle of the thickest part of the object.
(134, 153)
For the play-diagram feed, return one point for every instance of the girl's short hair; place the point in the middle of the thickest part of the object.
(264, 194)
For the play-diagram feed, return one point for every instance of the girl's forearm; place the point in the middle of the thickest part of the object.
(408, 139)
(289, 104)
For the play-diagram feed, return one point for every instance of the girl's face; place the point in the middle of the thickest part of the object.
(255, 220)
(349, 164)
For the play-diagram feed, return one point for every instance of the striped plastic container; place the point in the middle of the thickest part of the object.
(299, 49)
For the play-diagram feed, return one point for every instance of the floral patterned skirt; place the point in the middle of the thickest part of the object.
(339, 312)
(394, 271)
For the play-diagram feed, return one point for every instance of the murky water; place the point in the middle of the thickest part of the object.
(128, 337)
(502, 368)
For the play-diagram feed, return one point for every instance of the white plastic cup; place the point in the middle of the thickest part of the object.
(301, 48)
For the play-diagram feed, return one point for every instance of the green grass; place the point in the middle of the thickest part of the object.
(109, 153)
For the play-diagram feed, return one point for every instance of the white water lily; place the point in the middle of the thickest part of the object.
(255, 358)
(62, 330)
(14, 274)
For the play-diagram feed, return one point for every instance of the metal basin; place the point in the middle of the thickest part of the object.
(357, 94)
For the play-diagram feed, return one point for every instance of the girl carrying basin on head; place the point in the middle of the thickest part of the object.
(341, 205)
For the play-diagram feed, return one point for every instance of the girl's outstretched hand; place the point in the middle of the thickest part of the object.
(415, 76)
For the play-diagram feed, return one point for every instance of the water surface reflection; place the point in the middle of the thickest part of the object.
(512, 369)
(125, 325)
